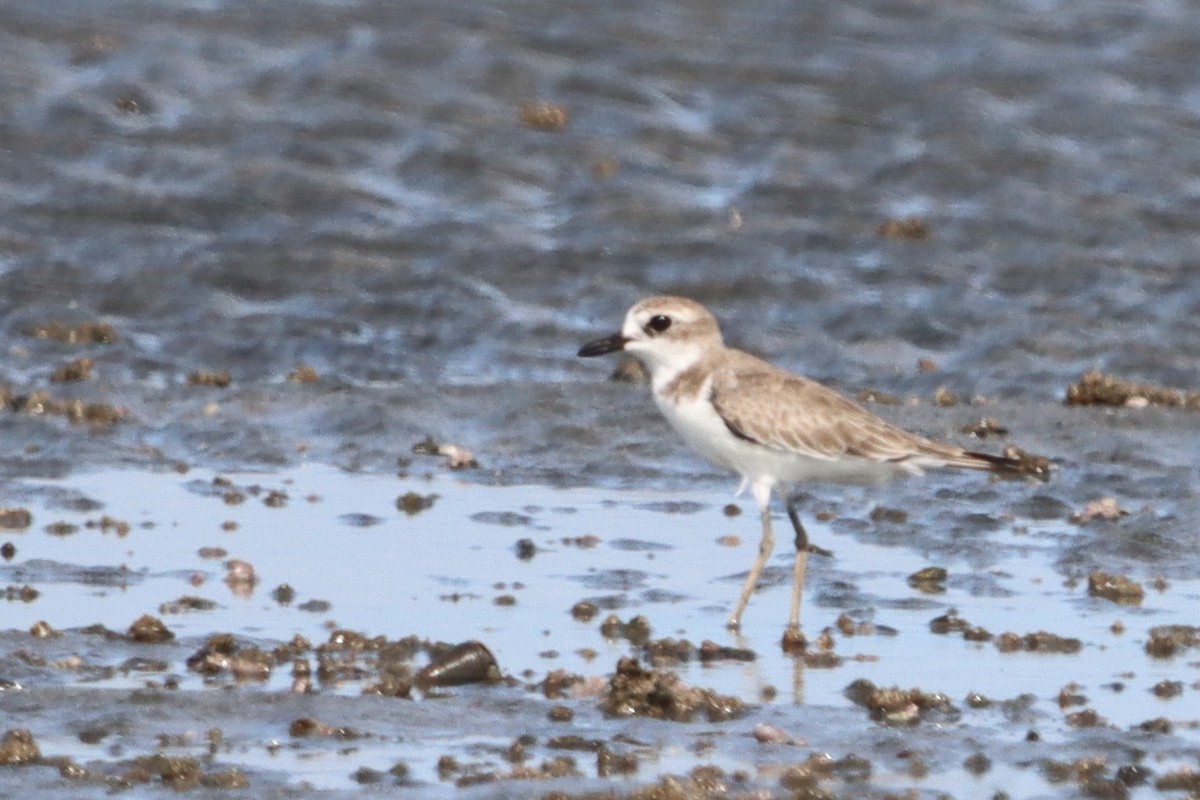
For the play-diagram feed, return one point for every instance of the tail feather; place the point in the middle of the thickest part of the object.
(1013, 462)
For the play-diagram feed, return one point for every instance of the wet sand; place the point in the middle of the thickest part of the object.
(256, 262)
(1026, 680)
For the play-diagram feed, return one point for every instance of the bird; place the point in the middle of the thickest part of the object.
(774, 428)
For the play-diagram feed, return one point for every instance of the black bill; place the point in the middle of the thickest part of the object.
(602, 347)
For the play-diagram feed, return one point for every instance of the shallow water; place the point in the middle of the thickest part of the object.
(350, 186)
(437, 574)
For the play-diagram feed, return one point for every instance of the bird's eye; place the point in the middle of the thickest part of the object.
(658, 323)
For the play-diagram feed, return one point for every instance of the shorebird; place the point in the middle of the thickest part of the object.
(774, 428)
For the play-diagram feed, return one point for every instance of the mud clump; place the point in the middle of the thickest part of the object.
(1038, 642)
(412, 503)
(221, 654)
(663, 652)
(181, 773)
(929, 580)
(585, 611)
(558, 683)
(1184, 779)
(896, 706)
(1106, 508)
(310, 727)
(185, 604)
(1087, 718)
(17, 748)
(636, 631)
(1096, 388)
(457, 456)
(15, 519)
(1116, 588)
(217, 378)
(910, 228)
(99, 416)
(81, 333)
(1167, 640)
(634, 691)
(149, 630)
(983, 428)
(303, 373)
(79, 369)
(543, 116)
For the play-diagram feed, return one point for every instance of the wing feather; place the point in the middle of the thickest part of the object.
(791, 413)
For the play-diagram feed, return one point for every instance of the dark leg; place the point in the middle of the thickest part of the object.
(801, 564)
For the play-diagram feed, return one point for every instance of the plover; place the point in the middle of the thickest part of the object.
(774, 428)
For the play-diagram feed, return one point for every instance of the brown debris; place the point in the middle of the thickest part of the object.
(99, 416)
(894, 516)
(985, 427)
(149, 630)
(1167, 640)
(636, 631)
(185, 604)
(1183, 779)
(1116, 588)
(79, 369)
(240, 577)
(181, 773)
(15, 519)
(896, 706)
(222, 654)
(1039, 642)
(17, 747)
(543, 116)
(584, 611)
(609, 763)
(1087, 718)
(711, 651)
(557, 683)
(218, 378)
(605, 168)
(848, 626)
(765, 733)
(302, 727)
(912, 228)
(879, 398)
(303, 373)
(1105, 508)
(930, 580)
(1166, 689)
(457, 457)
(1096, 388)
(82, 333)
(634, 691)
(108, 524)
(668, 652)
(944, 397)
(412, 503)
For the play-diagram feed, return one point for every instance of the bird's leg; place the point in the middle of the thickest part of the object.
(801, 565)
(764, 552)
